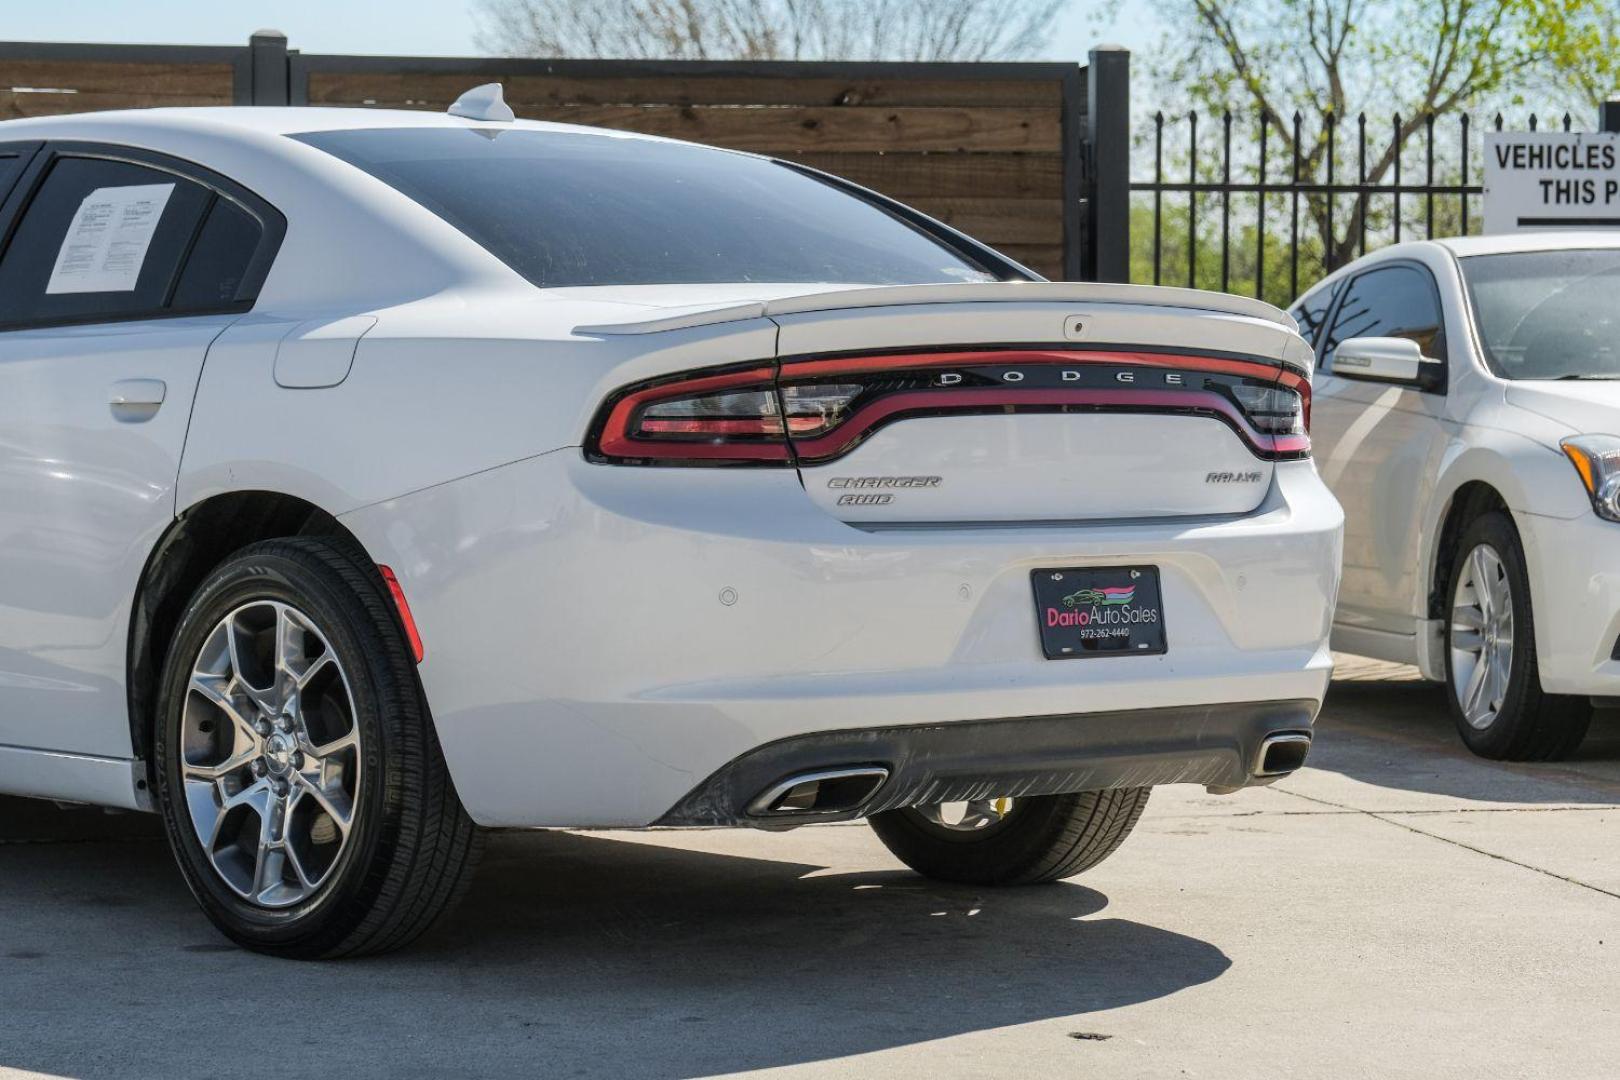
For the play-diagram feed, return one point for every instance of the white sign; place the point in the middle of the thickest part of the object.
(106, 242)
(1551, 180)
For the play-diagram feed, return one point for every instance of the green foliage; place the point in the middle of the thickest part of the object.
(1243, 258)
(1284, 278)
(1582, 48)
(1416, 62)
(1378, 56)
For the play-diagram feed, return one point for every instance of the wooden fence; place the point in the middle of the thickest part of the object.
(1017, 155)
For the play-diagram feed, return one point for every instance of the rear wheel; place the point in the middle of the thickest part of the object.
(1012, 841)
(302, 786)
(1494, 687)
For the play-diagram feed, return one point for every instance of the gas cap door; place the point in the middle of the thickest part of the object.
(320, 352)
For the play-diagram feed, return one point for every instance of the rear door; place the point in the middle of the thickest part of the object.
(120, 268)
(936, 414)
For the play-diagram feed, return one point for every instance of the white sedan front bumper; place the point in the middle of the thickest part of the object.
(1574, 567)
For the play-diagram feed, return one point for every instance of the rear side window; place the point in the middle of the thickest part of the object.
(576, 209)
(1392, 301)
(219, 260)
(1311, 313)
(99, 239)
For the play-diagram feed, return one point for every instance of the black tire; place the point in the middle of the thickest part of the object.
(1041, 839)
(410, 847)
(1531, 724)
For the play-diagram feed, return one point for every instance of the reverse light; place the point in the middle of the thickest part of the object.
(1273, 410)
(816, 408)
(801, 410)
(1597, 461)
(744, 412)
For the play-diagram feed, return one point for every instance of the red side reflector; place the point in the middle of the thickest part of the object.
(405, 617)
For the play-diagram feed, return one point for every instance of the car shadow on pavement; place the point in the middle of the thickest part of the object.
(573, 955)
(1397, 732)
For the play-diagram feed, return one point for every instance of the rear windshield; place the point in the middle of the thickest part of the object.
(579, 209)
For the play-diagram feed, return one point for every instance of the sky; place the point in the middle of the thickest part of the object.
(392, 27)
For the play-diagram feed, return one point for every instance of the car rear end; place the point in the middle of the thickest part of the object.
(811, 509)
(947, 543)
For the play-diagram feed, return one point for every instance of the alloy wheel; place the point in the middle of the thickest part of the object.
(270, 754)
(1481, 636)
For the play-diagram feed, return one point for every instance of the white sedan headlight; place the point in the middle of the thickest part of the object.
(1597, 459)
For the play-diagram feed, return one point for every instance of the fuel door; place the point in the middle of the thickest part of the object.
(320, 352)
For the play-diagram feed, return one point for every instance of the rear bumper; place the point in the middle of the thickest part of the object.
(1217, 745)
(599, 639)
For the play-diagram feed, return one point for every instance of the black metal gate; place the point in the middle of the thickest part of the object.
(1322, 179)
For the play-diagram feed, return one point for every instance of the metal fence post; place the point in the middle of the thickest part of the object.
(1609, 115)
(267, 59)
(1108, 165)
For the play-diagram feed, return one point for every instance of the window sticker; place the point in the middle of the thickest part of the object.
(106, 242)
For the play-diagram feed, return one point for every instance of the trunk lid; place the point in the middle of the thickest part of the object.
(1017, 402)
(1121, 403)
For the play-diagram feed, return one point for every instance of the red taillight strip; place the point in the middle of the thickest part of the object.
(795, 370)
(864, 420)
(616, 440)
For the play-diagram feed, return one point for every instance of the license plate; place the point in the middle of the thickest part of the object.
(1099, 611)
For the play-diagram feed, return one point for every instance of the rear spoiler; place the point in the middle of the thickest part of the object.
(1060, 292)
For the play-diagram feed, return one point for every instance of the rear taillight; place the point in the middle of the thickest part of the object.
(815, 410)
(734, 417)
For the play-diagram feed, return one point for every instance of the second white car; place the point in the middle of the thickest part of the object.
(1467, 416)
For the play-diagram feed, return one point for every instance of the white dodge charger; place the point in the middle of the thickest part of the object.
(368, 477)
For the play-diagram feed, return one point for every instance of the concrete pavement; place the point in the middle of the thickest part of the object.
(1398, 909)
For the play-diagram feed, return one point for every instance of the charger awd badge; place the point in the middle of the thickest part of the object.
(870, 490)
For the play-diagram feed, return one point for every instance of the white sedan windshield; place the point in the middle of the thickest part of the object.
(1548, 314)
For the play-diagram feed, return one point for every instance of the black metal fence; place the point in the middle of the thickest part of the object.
(1312, 196)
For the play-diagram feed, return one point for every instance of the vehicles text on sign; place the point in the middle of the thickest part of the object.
(1550, 180)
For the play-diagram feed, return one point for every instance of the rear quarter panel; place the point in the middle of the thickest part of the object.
(437, 391)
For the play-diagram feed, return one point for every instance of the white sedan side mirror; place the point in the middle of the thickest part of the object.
(1384, 359)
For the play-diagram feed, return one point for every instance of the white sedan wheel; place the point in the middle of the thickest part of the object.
(1481, 636)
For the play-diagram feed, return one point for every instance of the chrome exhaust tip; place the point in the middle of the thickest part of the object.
(1282, 753)
(822, 793)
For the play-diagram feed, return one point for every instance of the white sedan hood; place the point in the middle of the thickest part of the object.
(1587, 407)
